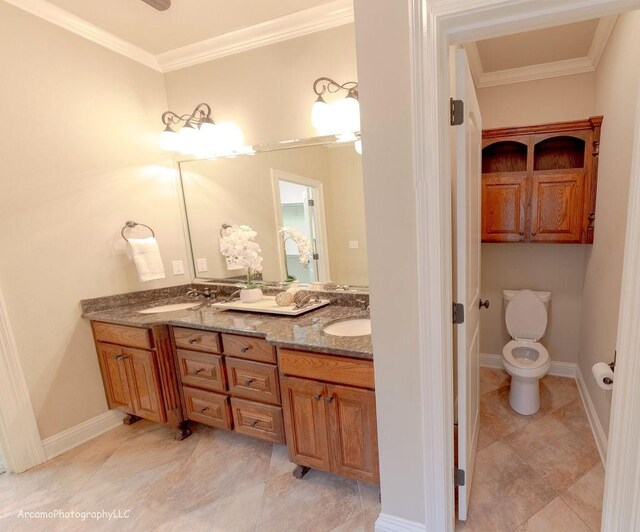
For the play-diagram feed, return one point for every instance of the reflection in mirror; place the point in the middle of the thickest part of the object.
(305, 201)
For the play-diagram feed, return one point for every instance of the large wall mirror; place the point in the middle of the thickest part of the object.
(314, 187)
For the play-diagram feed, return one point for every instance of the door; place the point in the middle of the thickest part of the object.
(300, 206)
(353, 433)
(467, 237)
(144, 383)
(116, 386)
(556, 206)
(305, 422)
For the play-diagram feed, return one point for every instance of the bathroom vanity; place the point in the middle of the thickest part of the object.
(280, 379)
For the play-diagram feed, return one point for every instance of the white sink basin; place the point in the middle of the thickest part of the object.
(168, 308)
(360, 327)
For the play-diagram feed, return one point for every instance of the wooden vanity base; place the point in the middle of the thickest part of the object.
(300, 471)
(130, 419)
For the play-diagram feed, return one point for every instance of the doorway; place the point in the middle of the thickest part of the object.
(299, 208)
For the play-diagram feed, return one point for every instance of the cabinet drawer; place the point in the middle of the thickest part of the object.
(202, 370)
(248, 347)
(207, 407)
(122, 335)
(336, 369)
(256, 419)
(196, 339)
(253, 380)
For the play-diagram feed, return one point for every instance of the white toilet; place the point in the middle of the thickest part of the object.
(524, 357)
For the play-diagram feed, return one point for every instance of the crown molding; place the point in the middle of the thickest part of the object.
(601, 38)
(567, 67)
(319, 18)
(79, 26)
(305, 22)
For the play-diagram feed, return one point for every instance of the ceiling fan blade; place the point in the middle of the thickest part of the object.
(160, 5)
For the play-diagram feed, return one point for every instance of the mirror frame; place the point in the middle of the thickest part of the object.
(257, 148)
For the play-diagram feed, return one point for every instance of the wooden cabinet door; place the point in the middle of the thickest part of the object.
(114, 377)
(305, 422)
(557, 207)
(353, 433)
(144, 383)
(504, 206)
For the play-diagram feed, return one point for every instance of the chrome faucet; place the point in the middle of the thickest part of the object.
(207, 293)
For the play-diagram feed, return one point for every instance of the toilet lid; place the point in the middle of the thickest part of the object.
(526, 316)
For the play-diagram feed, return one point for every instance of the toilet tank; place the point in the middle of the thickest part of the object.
(545, 297)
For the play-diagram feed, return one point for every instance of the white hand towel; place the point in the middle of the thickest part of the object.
(146, 255)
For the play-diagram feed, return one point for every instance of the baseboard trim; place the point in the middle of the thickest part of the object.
(391, 523)
(596, 427)
(558, 369)
(87, 430)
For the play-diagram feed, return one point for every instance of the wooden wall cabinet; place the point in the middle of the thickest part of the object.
(330, 424)
(539, 182)
(138, 373)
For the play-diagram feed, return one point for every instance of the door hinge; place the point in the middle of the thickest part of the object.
(311, 203)
(457, 112)
(458, 313)
(459, 477)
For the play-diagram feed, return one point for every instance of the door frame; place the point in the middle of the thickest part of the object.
(323, 246)
(434, 26)
(19, 436)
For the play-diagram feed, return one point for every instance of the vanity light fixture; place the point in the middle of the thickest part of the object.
(341, 117)
(200, 135)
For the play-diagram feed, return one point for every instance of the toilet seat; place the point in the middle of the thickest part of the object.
(508, 356)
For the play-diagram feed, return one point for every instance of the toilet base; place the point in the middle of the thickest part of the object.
(524, 395)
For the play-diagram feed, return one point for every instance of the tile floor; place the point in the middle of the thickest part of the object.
(534, 473)
(212, 481)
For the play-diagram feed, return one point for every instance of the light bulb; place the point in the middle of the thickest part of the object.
(168, 140)
(187, 137)
(347, 115)
(321, 116)
(229, 138)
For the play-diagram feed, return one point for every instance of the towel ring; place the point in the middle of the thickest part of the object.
(130, 225)
(224, 226)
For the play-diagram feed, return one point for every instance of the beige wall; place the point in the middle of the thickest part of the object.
(558, 268)
(616, 99)
(384, 66)
(79, 154)
(268, 91)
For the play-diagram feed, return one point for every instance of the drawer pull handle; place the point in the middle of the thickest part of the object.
(198, 371)
(248, 382)
(330, 399)
(317, 396)
(245, 349)
(203, 410)
(194, 339)
(254, 422)
(121, 357)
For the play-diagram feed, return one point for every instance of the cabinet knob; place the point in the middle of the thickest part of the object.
(249, 381)
(198, 371)
(317, 396)
(203, 410)
(521, 233)
(194, 339)
(254, 422)
(484, 303)
(245, 349)
(330, 399)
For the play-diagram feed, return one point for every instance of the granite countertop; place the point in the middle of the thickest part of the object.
(301, 332)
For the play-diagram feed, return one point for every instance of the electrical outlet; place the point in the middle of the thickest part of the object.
(178, 267)
(201, 265)
(354, 244)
